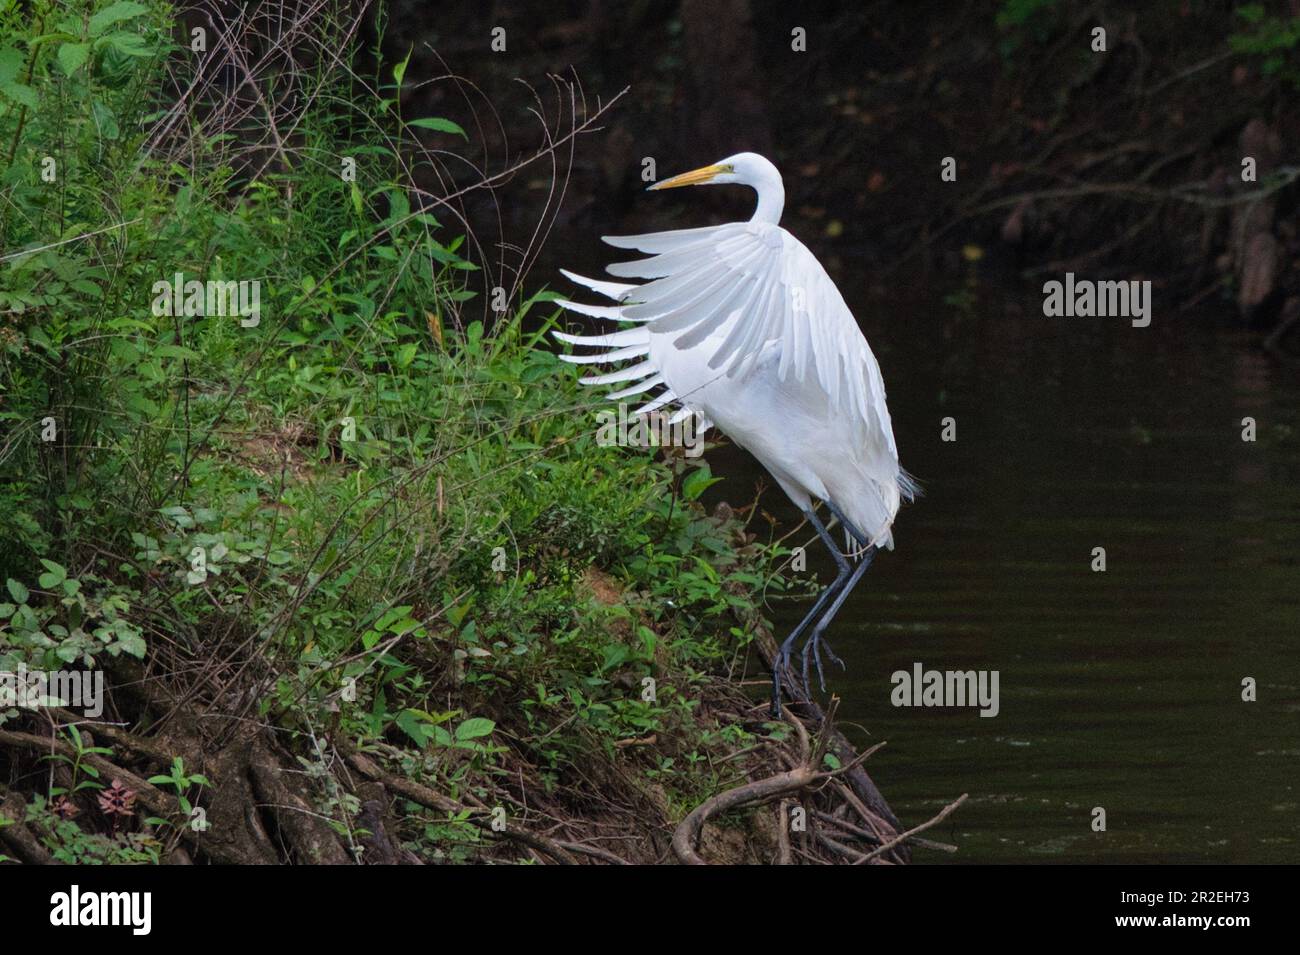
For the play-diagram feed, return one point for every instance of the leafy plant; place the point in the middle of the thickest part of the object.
(182, 783)
(77, 764)
(1272, 40)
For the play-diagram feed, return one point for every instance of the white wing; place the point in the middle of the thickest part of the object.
(633, 343)
(785, 296)
(700, 280)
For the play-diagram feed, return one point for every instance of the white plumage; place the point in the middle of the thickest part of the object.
(745, 330)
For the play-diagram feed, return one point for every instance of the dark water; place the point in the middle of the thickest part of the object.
(1119, 689)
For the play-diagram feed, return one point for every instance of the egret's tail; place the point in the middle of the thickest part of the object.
(909, 486)
(873, 512)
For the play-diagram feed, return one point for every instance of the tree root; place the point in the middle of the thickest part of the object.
(149, 796)
(557, 851)
(309, 836)
(803, 776)
(688, 831)
(17, 838)
(256, 814)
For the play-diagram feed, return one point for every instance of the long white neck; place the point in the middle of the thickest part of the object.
(771, 198)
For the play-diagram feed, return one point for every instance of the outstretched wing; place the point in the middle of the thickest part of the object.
(632, 345)
(784, 296)
(698, 280)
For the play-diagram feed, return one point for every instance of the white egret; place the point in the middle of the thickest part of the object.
(744, 329)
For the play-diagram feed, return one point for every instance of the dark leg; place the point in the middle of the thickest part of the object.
(783, 657)
(815, 642)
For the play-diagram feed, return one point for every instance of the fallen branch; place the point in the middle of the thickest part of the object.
(947, 810)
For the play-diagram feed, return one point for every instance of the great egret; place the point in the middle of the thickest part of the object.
(747, 332)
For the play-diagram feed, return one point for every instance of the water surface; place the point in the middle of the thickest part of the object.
(1119, 689)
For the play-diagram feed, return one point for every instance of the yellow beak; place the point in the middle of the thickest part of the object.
(695, 177)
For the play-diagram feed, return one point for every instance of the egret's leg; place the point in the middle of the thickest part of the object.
(815, 643)
(783, 657)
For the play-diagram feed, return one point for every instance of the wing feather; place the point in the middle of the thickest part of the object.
(697, 282)
(618, 354)
(667, 263)
(627, 373)
(614, 312)
(613, 340)
(637, 388)
(615, 290)
(783, 295)
(662, 241)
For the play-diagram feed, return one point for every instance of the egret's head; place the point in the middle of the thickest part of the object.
(746, 169)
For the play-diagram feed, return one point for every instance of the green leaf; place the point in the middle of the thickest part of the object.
(17, 591)
(474, 728)
(55, 576)
(11, 63)
(106, 121)
(413, 725)
(128, 44)
(23, 95)
(176, 351)
(178, 514)
(134, 645)
(72, 56)
(438, 124)
(399, 70)
(615, 656)
(454, 614)
(115, 13)
(695, 483)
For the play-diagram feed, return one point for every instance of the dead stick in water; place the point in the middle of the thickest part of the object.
(921, 828)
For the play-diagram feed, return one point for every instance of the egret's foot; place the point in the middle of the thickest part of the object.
(815, 644)
(781, 665)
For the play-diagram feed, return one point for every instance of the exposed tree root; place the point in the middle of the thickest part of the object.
(827, 831)
(17, 838)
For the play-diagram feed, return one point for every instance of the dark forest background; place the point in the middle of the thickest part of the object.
(1126, 163)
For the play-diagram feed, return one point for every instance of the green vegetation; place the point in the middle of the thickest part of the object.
(1273, 40)
(370, 517)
